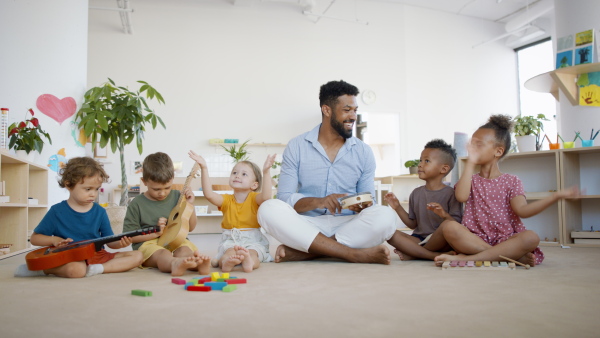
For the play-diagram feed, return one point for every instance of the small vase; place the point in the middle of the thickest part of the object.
(23, 155)
(413, 170)
(525, 143)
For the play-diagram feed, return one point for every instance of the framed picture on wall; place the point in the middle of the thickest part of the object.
(100, 152)
(136, 167)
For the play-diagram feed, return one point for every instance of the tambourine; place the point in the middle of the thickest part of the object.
(361, 197)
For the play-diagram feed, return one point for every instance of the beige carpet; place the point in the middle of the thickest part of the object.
(315, 299)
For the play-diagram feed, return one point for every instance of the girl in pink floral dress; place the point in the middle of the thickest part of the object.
(494, 204)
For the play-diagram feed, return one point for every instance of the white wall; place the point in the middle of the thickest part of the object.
(44, 49)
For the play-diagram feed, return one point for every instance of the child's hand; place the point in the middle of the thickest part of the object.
(62, 242)
(572, 192)
(199, 159)
(124, 242)
(269, 163)
(162, 223)
(391, 200)
(438, 210)
(189, 195)
(474, 154)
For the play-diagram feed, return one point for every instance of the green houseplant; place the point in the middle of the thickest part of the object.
(412, 166)
(238, 154)
(528, 131)
(27, 135)
(118, 116)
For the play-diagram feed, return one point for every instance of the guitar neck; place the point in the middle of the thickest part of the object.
(187, 182)
(99, 242)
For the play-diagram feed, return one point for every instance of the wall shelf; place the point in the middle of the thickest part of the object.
(563, 78)
(250, 144)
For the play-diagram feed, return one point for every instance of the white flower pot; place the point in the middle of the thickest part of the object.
(525, 143)
(23, 155)
(413, 170)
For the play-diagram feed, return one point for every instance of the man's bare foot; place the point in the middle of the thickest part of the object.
(180, 264)
(247, 261)
(378, 254)
(286, 254)
(403, 256)
(528, 258)
(230, 262)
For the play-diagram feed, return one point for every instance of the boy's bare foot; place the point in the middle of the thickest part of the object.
(403, 256)
(214, 263)
(247, 261)
(528, 258)
(203, 264)
(180, 264)
(230, 262)
(286, 254)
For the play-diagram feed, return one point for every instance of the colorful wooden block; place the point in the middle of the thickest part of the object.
(229, 288)
(470, 264)
(142, 293)
(214, 276)
(178, 281)
(216, 285)
(503, 264)
(225, 275)
(462, 263)
(487, 263)
(495, 264)
(478, 263)
(236, 281)
(453, 263)
(203, 288)
(188, 284)
(201, 277)
(205, 279)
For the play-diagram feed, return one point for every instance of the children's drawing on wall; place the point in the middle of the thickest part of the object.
(58, 160)
(589, 89)
(564, 59)
(55, 108)
(565, 42)
(584, 55)
(78, 135)
(178, 168)
(136, 167)
(585, 37)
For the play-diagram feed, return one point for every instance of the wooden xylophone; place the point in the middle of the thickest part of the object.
(478, 266)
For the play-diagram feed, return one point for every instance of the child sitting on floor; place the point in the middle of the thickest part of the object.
(152, 208)
(242, 241)
(428, 205)
(495, 204)
(80, 218)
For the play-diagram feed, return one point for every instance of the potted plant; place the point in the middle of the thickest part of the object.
(527, 132)
(26, 136)
(412, 166)
(118, 116)
(238, 154)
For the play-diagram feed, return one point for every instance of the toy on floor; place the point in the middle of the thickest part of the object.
(215, 281)
(483, 265)
(142, 293)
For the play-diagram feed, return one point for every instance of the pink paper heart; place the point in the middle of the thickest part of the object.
(57, 109)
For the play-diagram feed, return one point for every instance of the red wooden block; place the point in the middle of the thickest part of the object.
(204, 280)
(236, 281)
(178, 281)
(199, 288)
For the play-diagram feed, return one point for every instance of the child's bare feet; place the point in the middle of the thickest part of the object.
(214, 263)
(203, 264)
(247, 261)
(403, 256)
(230, 262)
(528, 258)
(180, 264)
(439, 260)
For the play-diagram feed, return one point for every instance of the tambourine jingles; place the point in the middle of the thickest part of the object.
(361, 197)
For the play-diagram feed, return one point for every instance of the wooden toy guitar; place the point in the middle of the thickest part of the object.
(178, 224)
(361, 197)
(51, 256)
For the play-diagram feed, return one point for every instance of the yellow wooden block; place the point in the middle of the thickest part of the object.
(487, 263)
(225, 275)
(478, 263)
(214, 276)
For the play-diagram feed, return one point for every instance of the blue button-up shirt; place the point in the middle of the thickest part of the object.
(306, 171)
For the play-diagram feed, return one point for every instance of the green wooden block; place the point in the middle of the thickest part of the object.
(229, 288)
(142, 293)
(222, 279)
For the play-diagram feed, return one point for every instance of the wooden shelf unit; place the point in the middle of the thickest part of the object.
(563, 78)
(540, 174)
(250, 144)
(18, 218)
(580, 167)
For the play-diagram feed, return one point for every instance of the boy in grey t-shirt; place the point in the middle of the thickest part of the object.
(428, 206)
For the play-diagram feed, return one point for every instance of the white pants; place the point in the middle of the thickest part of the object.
(369, 228)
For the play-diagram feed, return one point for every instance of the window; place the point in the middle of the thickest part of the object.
(532, 60)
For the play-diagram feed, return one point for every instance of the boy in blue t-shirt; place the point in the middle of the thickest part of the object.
(77, 219)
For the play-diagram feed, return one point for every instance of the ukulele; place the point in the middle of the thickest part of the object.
(178, 224)
(51, 256)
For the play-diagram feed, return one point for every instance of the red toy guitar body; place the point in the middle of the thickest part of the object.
(51, 257)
